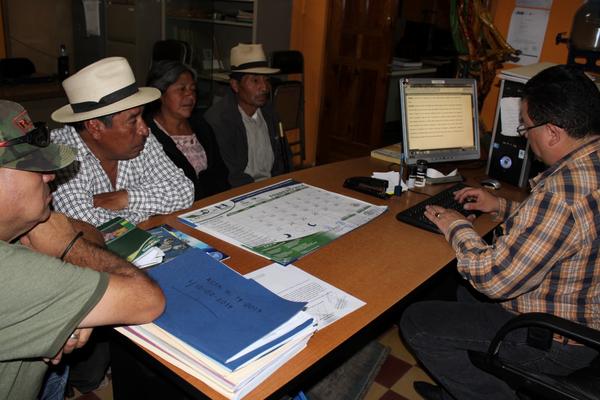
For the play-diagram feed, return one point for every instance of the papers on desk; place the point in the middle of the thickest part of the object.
(325, 303)
(434, 173)
(434, 177)
(283, 222)
(227, 330)
(391, 153)
(393, 180)
(130, 242)
(152, 256)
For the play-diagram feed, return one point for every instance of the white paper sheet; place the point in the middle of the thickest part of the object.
(526, 33)
(434, 173)
(509, 115)
(152, 256)
(393, 178)
(326, 303)
(91, 10)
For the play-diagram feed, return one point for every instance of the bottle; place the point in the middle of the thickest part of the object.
(63, 63)
(421, 173)
(412, 176)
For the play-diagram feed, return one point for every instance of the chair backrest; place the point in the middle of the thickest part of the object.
(171, 49)
(582, 384)
(288, 61)
(288, 99)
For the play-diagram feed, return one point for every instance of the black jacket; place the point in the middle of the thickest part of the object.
(214, 178)
(226, 121)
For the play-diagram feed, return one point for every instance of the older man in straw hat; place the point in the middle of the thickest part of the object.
(121, 170)
(47, 301)
(245, 122)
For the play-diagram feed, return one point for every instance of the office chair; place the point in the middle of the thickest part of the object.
(583, 384)
(288, 61)
(171, 49)
(288, 98)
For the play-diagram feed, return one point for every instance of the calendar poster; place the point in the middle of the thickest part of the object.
(283, 222)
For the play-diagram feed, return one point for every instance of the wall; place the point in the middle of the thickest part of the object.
(308, 35)
(2, 43)
(35, 37)
(561, 16)
(308, 31)
(309, 19)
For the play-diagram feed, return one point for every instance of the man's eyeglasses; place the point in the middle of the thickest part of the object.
(522, 129)
(39, 136)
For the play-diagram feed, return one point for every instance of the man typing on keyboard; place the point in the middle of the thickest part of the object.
(543, 258)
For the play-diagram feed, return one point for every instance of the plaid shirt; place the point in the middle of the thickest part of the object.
(153, 183)
(547, 258)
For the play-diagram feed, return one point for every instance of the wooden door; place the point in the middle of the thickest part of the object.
(358, 52)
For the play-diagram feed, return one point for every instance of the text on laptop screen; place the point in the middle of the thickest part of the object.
(439, 118)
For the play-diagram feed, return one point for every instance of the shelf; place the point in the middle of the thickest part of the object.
(212, 21)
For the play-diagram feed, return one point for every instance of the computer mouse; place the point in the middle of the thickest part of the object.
(491, 183)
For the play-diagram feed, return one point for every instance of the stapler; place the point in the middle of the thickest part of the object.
(364, 184)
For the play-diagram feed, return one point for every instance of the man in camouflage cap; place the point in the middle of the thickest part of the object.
(48, 302)
(26, 146)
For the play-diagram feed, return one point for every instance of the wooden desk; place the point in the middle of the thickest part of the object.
(380, 262)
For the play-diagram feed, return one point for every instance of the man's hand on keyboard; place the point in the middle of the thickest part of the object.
(477, 199)
(443, 217)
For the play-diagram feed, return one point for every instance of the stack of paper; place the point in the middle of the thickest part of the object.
(392, 153)
(130, 242)
(226, 330)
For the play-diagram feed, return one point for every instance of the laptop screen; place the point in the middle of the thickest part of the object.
(439, 119)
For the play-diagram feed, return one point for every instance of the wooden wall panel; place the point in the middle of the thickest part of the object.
(308, 35)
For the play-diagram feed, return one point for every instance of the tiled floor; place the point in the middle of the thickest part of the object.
(394, 381)
(400, 370)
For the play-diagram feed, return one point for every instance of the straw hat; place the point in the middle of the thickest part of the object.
(250, 59)
(104, 87)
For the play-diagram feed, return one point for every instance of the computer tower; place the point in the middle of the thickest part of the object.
(510, 158)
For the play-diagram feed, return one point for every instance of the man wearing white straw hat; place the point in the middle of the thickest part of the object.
(245, 123)
(121, 170)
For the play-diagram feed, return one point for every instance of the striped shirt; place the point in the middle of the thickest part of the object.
(153, 183)
(547, 258)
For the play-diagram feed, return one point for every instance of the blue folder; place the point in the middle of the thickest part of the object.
(218, 311)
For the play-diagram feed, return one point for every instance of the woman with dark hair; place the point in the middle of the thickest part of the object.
(186, 137)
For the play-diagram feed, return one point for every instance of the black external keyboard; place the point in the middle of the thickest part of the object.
(415, 215)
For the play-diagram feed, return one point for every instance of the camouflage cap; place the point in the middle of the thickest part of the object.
(15, 122)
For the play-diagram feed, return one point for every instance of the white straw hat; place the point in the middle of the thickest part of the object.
(104, 87)
(250, 59)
